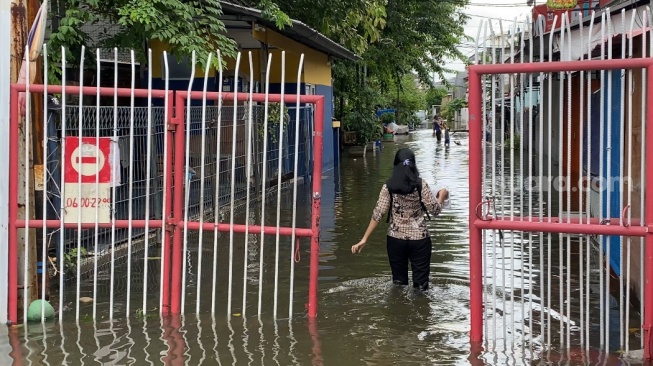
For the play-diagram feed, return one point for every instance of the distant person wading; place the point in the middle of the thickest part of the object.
(437, 128)
(406, 198)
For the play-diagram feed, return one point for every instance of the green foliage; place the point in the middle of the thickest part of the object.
(449, 110)
(70, 259)
(365, 123)
(361, 117)
(186, 25)
(411, 99)
(513, 142)
(412, 120)
(388, 118)
(274, 120)
(353, 23)
(434, 96)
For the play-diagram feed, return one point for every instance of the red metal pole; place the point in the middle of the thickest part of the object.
(475, 234)
(315, 213)
(648, 268)
(178, 209)
(167, 238)
(12, 301)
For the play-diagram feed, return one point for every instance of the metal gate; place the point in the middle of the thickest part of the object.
(166, 201)
(561, 203)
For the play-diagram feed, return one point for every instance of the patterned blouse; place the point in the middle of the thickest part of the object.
(407, 220)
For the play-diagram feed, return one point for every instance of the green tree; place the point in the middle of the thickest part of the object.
(186, 25)
(450, 110)
(406, 97)
(353, 23)
(434, 96)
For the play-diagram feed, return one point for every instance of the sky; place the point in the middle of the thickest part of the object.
(483, 11)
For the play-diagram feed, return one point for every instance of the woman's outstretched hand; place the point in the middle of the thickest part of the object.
(442, 195)
(357, 248)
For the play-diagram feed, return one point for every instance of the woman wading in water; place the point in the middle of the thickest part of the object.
(406, 197)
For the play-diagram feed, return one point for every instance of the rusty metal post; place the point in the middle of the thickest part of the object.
(25, 200)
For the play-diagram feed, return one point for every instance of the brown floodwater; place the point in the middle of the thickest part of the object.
(362, 320)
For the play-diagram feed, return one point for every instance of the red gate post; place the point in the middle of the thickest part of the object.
(475, 234)
(178, 208)
(167, 229)
(648, 286)
(315, 213)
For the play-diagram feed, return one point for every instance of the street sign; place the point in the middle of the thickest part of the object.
(87, 180)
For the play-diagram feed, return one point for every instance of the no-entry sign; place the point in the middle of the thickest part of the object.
(87, 180)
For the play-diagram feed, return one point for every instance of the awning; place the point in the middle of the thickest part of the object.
(576, 43)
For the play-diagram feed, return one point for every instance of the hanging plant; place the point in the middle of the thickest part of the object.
(274, 120)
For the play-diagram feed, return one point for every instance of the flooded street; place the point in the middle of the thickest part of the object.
(362, 318)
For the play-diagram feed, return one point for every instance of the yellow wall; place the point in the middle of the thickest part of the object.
(316, 64)
(317, 69)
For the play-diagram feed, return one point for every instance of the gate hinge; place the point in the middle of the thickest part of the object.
(171, 225)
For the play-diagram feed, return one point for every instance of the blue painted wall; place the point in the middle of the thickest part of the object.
(331, 145)
(612, 123)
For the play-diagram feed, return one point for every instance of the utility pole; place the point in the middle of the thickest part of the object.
(25, 200)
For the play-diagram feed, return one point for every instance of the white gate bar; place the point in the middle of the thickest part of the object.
(622, 130)
(600, 213)
(79, 186)
(248, 176)
(540, 185)
(608, 150)
(27, 129)
(581, 87)
(200, 239)
(5, 100)
(568, 184)
(643, 161)
(493, 187)
(130, 205)
(279, 174)
(522, 201)
(97, 179)
(164, 193)
(62, 211)
(530, 28)
(44, 237)
(503, 183)
(233, 186)
(186, 184)
(296, 176)
(630, 180)
(483, 25)
(263, 182)
(512, 182)
(588, 177)
(549, 187)
(113, 189)
(148, 176)
(558, 187)
(216, 208)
